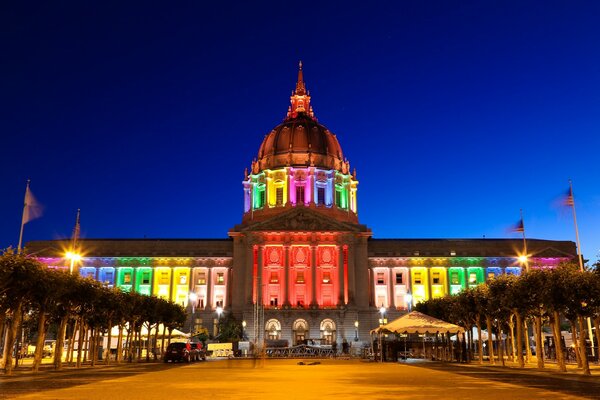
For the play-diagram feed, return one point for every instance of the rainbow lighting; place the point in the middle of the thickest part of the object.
(300, 265)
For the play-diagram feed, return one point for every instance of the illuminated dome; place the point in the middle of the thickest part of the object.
(300, 141)
(300, 164)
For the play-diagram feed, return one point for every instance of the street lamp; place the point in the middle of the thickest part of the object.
(382, 321)
(219, 312)
(356, 331)
(243, 329)
(408, 301)
(193, 299)
(74, 257)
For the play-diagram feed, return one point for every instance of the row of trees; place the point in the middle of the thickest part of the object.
(508, 304)
(77, 308)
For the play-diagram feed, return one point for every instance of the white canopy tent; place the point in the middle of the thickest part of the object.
(416, 322)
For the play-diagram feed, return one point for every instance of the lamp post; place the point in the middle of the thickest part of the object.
(74, 257)
(219, 312)
(193, 299)
(243, 329)
(382, 321)
(356, 331)
(408, 301)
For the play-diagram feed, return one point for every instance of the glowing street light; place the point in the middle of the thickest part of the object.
(193, 297)
(219, 311)
(243, 328)
(382, 321)
(408, 300)
(356, 331)
(74, 257)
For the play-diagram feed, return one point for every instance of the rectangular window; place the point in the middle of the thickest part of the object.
(182, 279)
(326, 277)
(279, 196)
(338, 198)
(274, 277)
(127, 278)
(454, 278)
(380, 278)
(274, 301)
(201, 278)
(473, 278)
(320, 195)
(436, 278)
(220, 278)
(146, 278)
(300, 277)
(300, 301)
(164, 277)
(417, 278)
(299, 194)
(398, 278)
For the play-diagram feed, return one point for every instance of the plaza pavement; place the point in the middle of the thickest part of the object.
(285, 379)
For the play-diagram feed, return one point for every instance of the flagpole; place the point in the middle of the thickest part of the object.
(23, 217)
(580, 257)
(524, 242)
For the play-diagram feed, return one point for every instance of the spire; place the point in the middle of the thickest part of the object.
(300, 98)
(300, 88)
(76, 230)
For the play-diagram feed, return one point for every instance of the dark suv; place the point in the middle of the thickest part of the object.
(178, 351)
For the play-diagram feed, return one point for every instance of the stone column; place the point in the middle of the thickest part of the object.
(209, 289)
(313, 262)
(392, 283)
(286, 269)
(341, 275)
(259, 276)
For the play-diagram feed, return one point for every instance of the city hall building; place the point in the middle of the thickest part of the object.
(300, 265)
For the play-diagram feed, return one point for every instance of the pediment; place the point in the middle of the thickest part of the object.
(303, 219)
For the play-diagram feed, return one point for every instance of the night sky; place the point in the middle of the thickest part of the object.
(454, 114)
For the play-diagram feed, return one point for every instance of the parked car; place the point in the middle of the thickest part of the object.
(178, 351)
(185, 351)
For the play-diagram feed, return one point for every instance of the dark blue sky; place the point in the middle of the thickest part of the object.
(455, 114)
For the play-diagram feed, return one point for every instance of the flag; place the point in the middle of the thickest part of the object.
(518, 227)
(76, 230)
(31, 209)
(568, 199)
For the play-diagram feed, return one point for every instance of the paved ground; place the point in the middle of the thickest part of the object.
(285, 379)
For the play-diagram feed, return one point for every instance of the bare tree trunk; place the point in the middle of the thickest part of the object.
(119, 355)
(60, 342)
(71, 346)
(520, 340)
(148, 343)
(539, 344)
(80, 339)
(479, 340)
(488, 322)
(527, 344)
(108, 342)
(11, 338)
(3, 335)
(582, 334)
(597, 332)
(162, 343)
(39, 344)
(575, 342)
(501, 347)
(560, 355)
(86, 343)
(156, 342)
(511, 326)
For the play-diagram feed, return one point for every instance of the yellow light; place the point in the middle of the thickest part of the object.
(522, 259)
(73, 256)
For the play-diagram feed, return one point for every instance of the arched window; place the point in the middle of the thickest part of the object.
(300, 331)
(273, 329)
(328, 332)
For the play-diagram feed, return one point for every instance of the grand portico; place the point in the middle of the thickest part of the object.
(300, 265)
